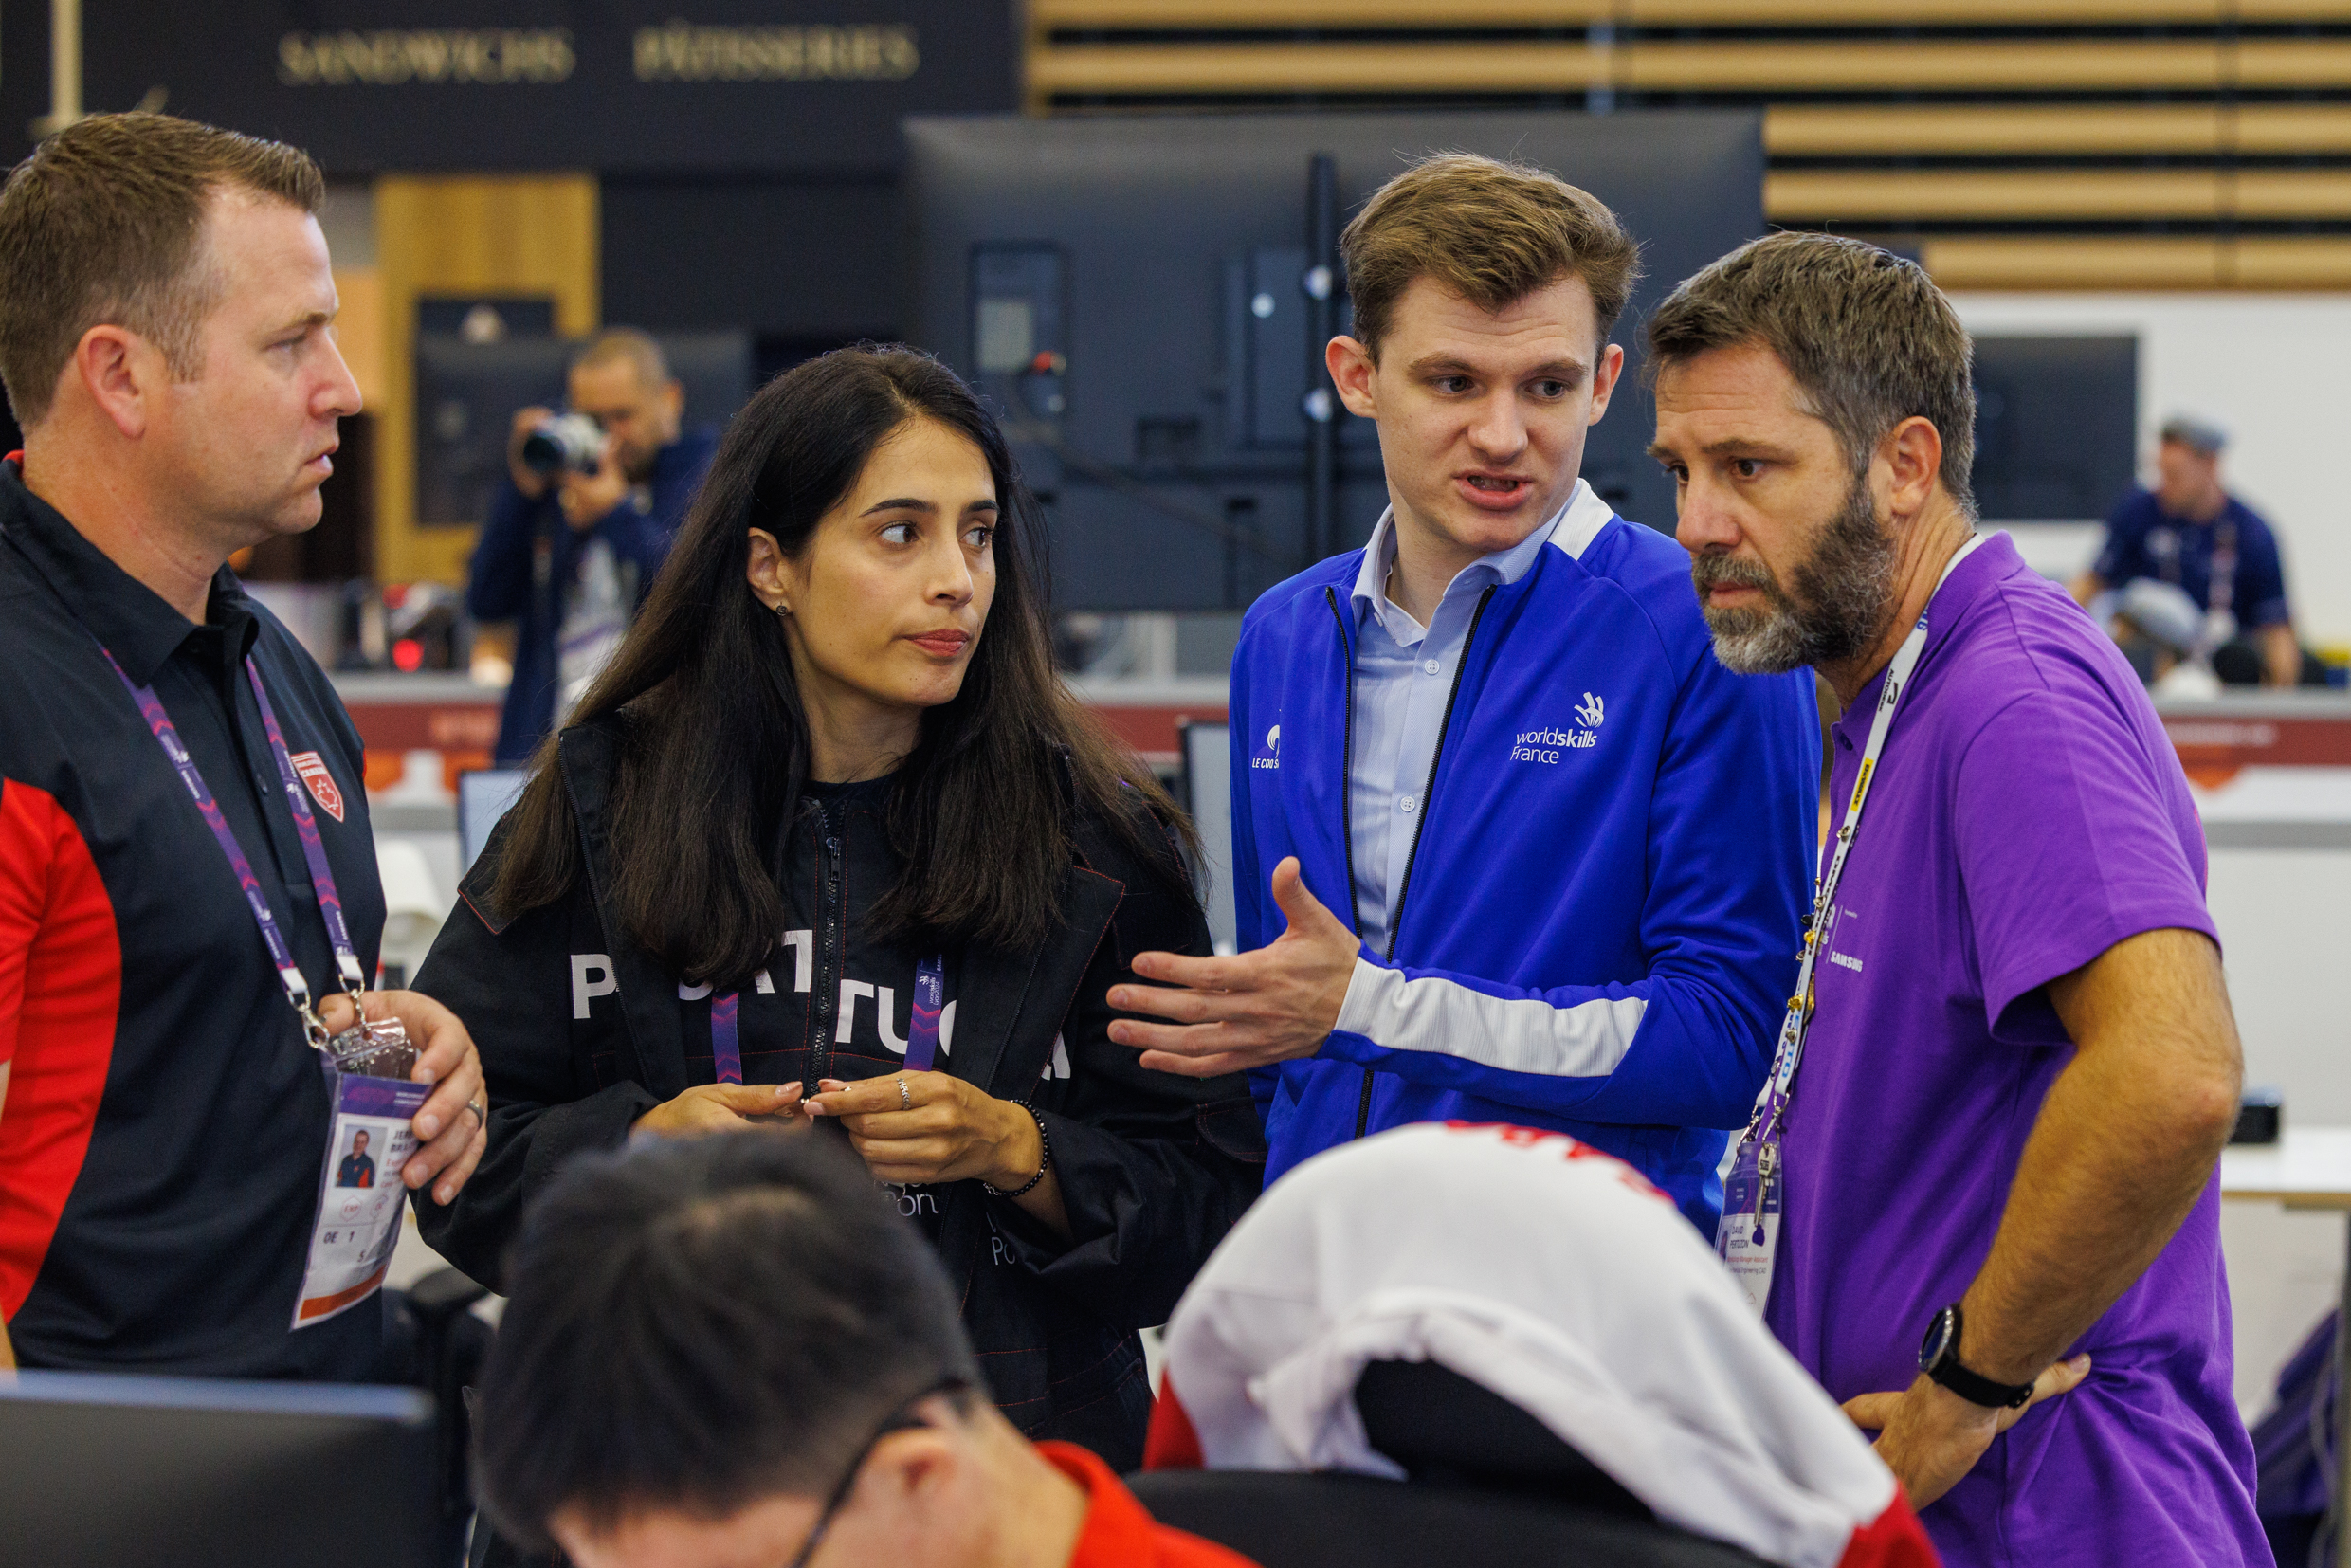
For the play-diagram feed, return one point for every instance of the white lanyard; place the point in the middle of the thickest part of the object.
(1748, 1239)
(1771, 1106)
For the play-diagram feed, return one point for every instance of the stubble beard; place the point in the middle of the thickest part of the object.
(1834, 611)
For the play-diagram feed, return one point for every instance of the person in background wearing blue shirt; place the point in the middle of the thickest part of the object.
(1568, 850)
(2191, 534)
(569, 556)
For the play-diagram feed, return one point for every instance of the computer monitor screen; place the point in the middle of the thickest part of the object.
(1208, 773)
(483, 795)
(1135, 297)
(177, 1473)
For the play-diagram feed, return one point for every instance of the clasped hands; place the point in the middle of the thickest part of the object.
(941, 1129)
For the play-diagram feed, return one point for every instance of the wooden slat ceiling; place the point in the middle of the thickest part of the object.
(2011, 143)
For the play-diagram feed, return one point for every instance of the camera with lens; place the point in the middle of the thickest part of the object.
(561, 442)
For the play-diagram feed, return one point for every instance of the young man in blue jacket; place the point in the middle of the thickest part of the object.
(1570, 851)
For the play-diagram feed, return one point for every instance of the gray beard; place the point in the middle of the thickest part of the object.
(1832, 612)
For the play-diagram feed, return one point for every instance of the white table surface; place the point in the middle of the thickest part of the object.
(2309, 1168)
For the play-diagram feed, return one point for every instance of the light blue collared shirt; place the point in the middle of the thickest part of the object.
(1403, 678)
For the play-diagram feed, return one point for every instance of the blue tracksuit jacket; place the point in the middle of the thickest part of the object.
(1599, 924)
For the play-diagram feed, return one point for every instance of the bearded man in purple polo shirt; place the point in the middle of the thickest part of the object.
(2009, 1093)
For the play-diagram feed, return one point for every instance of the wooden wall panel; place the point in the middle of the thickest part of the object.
(2219, 130)
(454, 234)
(1162, 15)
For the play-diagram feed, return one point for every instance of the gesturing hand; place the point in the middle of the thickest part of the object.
(1930, 1437)
(940, 1129)
(450, 1133)
(1277, 1003)
(722, 1108)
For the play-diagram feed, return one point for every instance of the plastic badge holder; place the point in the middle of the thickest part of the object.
(377, 1049)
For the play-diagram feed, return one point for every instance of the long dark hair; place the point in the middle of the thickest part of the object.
(715, 740)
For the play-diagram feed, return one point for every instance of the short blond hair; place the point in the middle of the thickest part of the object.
(104, 224)
(1490, 231)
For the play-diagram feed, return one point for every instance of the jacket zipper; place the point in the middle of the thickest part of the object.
(1346, 818)
(1395, 913)
(1428, 793)
(829, 937)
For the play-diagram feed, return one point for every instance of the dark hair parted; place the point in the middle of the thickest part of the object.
(715, 740)
(698, 1323)
(104, 224)
(1866, 337)
(1490, 231)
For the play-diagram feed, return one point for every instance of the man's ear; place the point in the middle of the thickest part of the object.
(911, 1470)
(1604, 377)
(1351, 368)
(119, 370)
(1913, 452)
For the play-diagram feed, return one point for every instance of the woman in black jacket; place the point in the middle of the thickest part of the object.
(830, 813)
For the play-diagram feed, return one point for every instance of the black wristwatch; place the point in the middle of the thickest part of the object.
(1938, 1357)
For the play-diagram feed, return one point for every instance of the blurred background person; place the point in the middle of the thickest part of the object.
(578, 530)
(2218, 554)
(837, 724)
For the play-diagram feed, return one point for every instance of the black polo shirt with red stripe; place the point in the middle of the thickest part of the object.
(165, 1122)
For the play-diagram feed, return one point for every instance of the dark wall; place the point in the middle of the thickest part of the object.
(803, 266)
(410, 86)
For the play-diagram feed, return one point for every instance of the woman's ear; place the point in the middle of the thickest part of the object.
(767, 572)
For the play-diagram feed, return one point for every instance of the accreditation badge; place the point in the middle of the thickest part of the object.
(1748, 1239)
(360, 1196)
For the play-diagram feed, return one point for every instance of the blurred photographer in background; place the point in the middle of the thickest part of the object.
(593, 497)
(2188, 551)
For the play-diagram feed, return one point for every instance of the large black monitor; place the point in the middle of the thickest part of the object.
(1139, 298)
(174, 1472)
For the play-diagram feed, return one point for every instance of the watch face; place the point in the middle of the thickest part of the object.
(1938, 1340)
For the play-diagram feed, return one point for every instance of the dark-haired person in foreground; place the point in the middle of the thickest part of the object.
(2007, 1086)
(728, 1350)
(829, 819)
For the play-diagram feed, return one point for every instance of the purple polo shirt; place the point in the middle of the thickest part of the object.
(2028, 813)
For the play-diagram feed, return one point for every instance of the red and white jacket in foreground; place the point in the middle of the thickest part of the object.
(1555, 1276)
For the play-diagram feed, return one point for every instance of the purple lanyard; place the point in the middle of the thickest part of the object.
(305, 825)
(930, 989)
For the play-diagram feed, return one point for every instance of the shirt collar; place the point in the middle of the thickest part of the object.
(1990, 561)
(1503, 566)
(1118, 1532)
(127, 618)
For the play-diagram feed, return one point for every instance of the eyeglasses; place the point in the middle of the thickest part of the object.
(901, 1420)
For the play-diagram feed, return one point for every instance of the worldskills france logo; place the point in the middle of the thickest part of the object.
(1268, 755)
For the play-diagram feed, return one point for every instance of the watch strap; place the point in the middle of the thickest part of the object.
(1973, 1386)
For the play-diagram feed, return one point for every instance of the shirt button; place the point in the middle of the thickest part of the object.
(1429, 668)
(1405, 805)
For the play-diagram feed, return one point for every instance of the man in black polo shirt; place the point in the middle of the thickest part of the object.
(166, 337)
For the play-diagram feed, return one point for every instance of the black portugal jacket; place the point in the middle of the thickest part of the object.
(581, 1032)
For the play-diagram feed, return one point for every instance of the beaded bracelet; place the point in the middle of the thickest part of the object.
(1045, 1159)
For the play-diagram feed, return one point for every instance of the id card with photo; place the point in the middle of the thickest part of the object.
(1748, 1239)
(360, 1195)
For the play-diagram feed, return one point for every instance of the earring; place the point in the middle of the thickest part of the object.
(783, 610)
